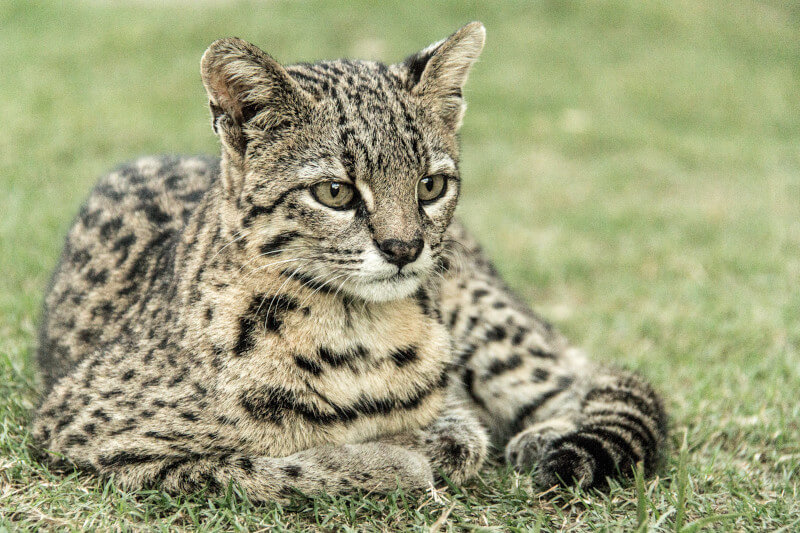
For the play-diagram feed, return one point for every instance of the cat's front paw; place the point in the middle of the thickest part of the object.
(456, 445)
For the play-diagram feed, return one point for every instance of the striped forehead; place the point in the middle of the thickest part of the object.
(374, 116)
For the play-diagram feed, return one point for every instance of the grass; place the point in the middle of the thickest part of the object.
(633, 167)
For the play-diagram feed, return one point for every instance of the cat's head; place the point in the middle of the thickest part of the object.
(343, 174)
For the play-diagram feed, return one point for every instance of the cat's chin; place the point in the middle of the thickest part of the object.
(385, 290)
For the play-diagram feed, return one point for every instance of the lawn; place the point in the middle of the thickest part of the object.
(633, 167)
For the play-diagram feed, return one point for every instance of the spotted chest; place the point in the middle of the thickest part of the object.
(303, 372)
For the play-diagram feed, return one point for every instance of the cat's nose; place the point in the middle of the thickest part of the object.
(399, 252)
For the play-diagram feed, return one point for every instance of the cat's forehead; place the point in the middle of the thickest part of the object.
(375, 119)
(347, 79)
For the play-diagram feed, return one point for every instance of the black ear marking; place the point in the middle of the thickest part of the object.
(216, 111)
(249, 111)
(416, 64)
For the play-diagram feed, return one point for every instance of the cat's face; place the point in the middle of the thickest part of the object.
(343, 174)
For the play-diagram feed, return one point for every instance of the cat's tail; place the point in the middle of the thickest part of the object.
(623, 423)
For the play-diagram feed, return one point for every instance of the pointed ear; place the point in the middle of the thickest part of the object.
(248, 89)
(439, 72)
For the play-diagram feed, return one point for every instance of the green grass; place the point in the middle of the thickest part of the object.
(633, 167)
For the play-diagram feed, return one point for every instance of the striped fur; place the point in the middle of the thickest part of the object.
(211, 321)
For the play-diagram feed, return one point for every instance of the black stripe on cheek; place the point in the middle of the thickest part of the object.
(308, 281)
(278, 242)
(257, 211)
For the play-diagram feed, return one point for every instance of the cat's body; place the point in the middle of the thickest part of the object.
(237, 322)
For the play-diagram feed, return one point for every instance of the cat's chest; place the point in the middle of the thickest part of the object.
(335, 372)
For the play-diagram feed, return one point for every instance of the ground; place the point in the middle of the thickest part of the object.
(633, 167)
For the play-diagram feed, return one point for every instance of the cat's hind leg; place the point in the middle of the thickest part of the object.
(542, 400)
(620, 422)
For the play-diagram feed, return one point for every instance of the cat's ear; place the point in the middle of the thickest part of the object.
(438, 73)
(248, 89)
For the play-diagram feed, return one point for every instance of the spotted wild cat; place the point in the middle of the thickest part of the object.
(304, 314)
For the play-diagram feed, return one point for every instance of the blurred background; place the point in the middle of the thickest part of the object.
(633, 167)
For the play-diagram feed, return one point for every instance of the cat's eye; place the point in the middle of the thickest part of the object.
(334, 194)
(431, 188)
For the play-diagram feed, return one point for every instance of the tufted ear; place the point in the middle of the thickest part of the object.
(439, 72)
(248, 89)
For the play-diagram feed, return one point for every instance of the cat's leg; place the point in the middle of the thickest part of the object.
(455, 444)
(545, 404)
(369, 467)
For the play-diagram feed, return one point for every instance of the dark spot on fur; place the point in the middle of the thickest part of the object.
(87, 336)
(500, 366)
(404, 356)
(128, 458)
(336, 359)
(478, 294)
(156, 215)
(108, 229)
(308, 365)
(293, 471)
(245, 464)
(99, 413)
(539, 375)
(265, 311)
(191, 417)
(496, 334)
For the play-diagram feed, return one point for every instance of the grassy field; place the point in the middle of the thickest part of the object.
(633, 167)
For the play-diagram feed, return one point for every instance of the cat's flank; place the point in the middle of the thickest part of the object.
(304, 314)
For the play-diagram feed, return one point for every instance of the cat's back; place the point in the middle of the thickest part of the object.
(116, 248)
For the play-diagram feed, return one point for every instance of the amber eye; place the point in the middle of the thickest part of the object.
(335, 194)
(431, 188)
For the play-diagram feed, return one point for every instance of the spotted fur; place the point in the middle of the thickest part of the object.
(211, 322)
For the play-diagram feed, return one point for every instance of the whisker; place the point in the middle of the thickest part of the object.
(321, 286)
(264, 267)
(236, 239)
(274, 252)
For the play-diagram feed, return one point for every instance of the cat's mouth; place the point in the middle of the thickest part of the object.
(400, 275)
(400, 284)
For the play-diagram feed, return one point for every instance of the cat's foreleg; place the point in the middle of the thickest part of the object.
(369, 467)
(455, 444)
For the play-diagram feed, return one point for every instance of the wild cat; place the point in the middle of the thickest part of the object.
(305, 314)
